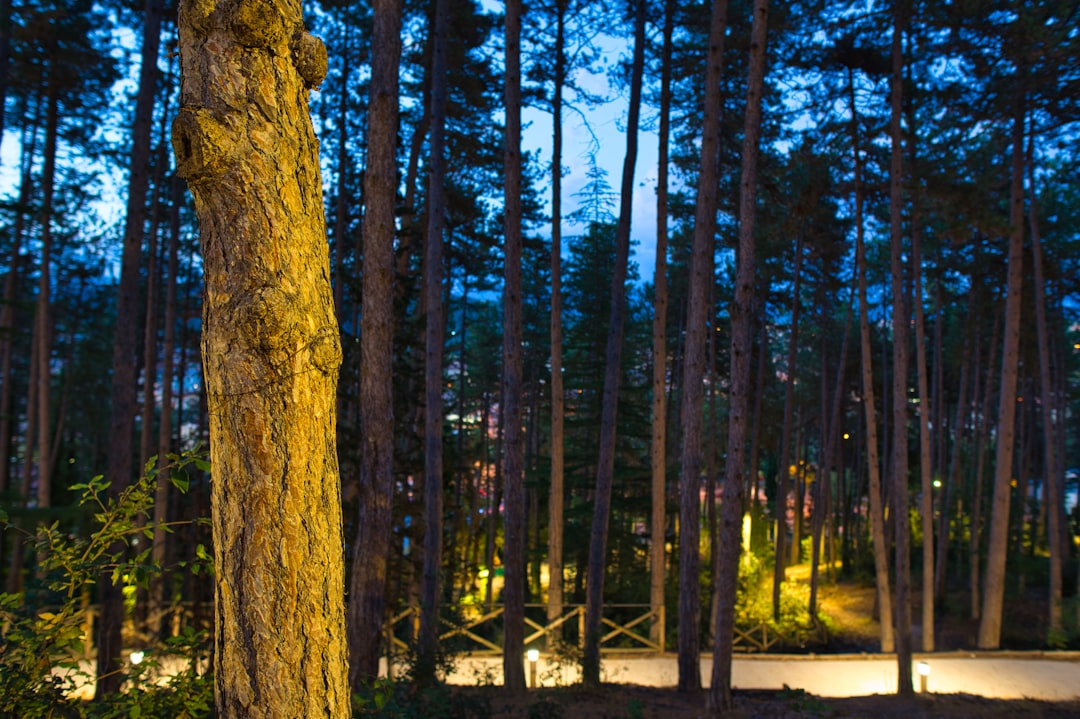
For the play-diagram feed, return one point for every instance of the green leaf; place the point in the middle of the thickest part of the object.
(181, 482)
(202, 464)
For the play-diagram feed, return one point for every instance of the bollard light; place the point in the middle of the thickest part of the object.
(923, 668)
(533, 655)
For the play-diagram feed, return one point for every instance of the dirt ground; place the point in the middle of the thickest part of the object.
(618, 701)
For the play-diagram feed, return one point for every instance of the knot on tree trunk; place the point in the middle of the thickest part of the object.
(202, 144)
(258, 23)
(309, 57)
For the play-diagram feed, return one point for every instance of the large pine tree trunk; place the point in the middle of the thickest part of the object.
(245, 144)
(658, 446)
(605, 464)
(693, 367)
(994, 582)
(742, 316)
(513, 448)
(371, 548)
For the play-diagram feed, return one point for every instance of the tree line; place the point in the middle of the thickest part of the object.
(417, 370)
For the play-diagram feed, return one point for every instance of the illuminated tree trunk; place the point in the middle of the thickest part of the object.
(244, 142)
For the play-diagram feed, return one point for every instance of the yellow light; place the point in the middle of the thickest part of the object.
(483, 574)
(533, 655)
(746, 524)
(847, 436)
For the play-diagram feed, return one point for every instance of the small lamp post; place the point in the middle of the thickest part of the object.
(533, 655)
(923, 668)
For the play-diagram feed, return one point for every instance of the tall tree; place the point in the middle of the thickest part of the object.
(994, 581)
(513, 448)
(900, 320)
(558, 393)
(742, 319)
(658, 446)
(698, 313)
(433, 352)
(371, 547)
(245, 144)
(122, 405)
(605, 464)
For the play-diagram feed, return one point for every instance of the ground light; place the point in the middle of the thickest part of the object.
(923, 668)
(533, 655)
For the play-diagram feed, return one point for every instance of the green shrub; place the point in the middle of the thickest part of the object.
(41, 641)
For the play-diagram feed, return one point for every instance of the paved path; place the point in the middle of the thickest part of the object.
(1036, 675)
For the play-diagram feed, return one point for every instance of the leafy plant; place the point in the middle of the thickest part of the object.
(41, 641)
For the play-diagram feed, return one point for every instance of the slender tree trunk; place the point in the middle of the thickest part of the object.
(1053, 465)
(926, 504)
(122, 410)
(658, 447)
(952, 484)
(271, 353)
(873, 464)
(558, 392)
(371, 548)
(433, 354)
(697, 331)
(513, 449)
(983, 419)
(742, 317)
(900, 320)
(605, 469)
(783, 489)
(997, 548)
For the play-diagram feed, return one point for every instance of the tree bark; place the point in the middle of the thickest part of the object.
(245, 144)
(658, 446)
(694, 361)
(513, 449)
(556, 503)
(371, 548)
(605, 465)
(433, 355)
(742, 316)
(900, 320)
(994, 583)
(783, 486)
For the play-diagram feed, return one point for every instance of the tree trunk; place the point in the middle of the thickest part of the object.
(605, 464)
(244, 142)
(658, 446)
(122, 410)
(371, 548)
(1053, 465)
(873, 464)
(997, 548)
(433, 353)
(783, 489)
(900, 322)
(558, 394)
(697, 330)
(742, 317)
(513, 449)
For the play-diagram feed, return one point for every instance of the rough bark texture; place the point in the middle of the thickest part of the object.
(513, 447)
(997, 548)
(605, 464)
(371, 549)
(697, 325)
(742, 318)
(244, 142)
